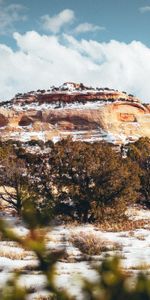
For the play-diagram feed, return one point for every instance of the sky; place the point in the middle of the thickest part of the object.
(103, 43)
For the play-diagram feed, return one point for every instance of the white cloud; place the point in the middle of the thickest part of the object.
(144, 9)
(55, 23)
(42, 61)
(87, 27)
(9, 15)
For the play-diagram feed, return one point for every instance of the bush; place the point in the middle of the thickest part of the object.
(93, 180)
(139, 152)
(92, 245)
(86, 182)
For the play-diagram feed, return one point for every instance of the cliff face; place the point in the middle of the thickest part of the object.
(73, 109)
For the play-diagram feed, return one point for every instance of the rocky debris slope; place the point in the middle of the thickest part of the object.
(85, 113)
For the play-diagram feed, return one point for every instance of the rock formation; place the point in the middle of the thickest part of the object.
(72, 109)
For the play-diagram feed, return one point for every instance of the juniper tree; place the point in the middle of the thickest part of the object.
(139, 152)
(13, 180)
(91, 177)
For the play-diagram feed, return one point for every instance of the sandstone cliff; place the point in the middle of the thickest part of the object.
(73, 109)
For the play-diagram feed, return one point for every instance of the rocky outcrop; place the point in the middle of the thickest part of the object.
(73, 109)
(3, 120)
(25, 121)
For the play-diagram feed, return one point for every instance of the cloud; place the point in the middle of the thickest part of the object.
(9, 15)
(87, 27)
(43, 60)
(55, 23)
(144, 9)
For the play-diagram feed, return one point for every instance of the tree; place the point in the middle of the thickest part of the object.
(41, 184)
(13, 180)
(24, 181)
(91, 178)
(139, 152)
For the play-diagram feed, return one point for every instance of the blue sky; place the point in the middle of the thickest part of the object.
(123, 19)
(97, 42)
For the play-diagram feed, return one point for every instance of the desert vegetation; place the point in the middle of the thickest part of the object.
(140, 153)
(112, 282)
(92, 245)
(75, 180)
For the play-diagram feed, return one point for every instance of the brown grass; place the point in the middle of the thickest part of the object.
(141, 267)
(91, 245)
(124, 225)
(133, 234)
(140, 237)
(14, 255)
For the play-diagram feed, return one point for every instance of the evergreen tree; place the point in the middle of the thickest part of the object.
(139, 152)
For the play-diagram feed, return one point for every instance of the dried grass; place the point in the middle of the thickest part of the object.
(14, 255)
(141, 267)
(92, 245)
(124, 225)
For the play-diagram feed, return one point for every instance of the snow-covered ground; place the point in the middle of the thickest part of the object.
(133, 248)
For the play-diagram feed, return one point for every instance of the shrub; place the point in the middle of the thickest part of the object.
(97, 180)
(87, 182)
(92, 245)
(140, 153)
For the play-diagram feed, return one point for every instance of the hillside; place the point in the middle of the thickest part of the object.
(85, 113)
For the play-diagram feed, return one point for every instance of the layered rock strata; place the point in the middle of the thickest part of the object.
(73, 109)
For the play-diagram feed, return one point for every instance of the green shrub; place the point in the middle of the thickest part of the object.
(140, 153)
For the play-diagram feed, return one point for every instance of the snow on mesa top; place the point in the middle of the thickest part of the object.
(75, 90)
(85, 113)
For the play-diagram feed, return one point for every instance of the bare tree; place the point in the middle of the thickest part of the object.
(13, 179)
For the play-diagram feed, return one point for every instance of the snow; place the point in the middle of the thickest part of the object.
(71, 88)
(56, 139)
(98, 135)
(139, 214)
(59, 106)
(84, 106)
(77, 135)
(34, 106)
(25, 136)
(36, 281)
(69, 273)
(9, 264)
(68, 85)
